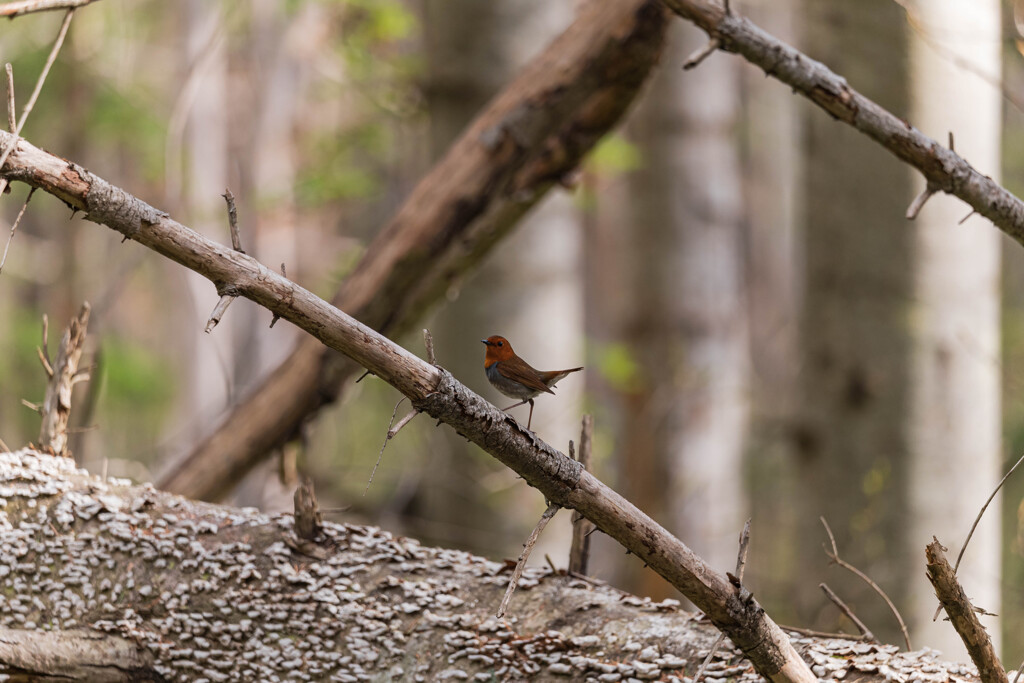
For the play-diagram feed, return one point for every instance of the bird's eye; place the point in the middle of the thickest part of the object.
(501, 343)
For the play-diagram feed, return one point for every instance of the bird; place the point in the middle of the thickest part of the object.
(514, 377)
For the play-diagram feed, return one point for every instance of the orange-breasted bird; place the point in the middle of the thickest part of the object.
(514, 377)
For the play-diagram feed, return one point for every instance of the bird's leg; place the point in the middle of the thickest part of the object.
(529, 419)
(516, 405)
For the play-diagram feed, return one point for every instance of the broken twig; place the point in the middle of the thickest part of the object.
(962, 616)
(524, 556)
(834, 557)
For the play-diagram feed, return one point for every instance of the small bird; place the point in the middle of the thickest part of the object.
(514, 377)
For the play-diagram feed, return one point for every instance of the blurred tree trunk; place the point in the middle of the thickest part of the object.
(281, 40)
(852, 441)
(686, 419)
(208, 379)
(772, 174)
(956, 452)
(526, 292)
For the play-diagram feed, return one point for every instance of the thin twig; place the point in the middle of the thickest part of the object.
(236, 239)
(845, 609)
(4, 446)
(579, 550)
(44, 350)
(387, 437)
(1020, 668)
(12, 114)
(963, 548)
(919, 201)
(276, 317)
(811, 633)
(741, 565)
(14, 227)
(35, 93)
(428, 343)
(521, 564)
(834, 556)
(236, 243)
(701, 54)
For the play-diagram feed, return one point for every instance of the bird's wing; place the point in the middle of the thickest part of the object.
(517, 369)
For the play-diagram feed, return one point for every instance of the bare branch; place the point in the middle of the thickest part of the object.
(834, 556)
(940, 166)
(701, 54)
(236, 240)
(4, 446)
(428, 344)
(579, 551)
(961, 615)
(919, 201)
(517, 573)
(12, 114)
(14, 9)
(963, 548)
(845, 609)
(387, 437)
(741, 565)
(433, 391)
(13, 142)
(56, 407)
(44, 350)
(218, 311)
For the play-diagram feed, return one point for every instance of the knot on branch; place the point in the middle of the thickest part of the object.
(112, 206)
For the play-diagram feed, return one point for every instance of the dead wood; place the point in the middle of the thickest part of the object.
(531, 136)
(962, 615)
(63, 376)
(204, 591)
(943, 169)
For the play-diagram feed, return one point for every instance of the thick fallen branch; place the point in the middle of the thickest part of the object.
(531, 136)
(433, 391)
(206, 591)
(943, 168)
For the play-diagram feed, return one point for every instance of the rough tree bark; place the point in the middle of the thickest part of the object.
(431, 390)
(104, 581)
(530, 137)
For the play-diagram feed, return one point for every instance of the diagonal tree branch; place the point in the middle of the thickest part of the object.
(433, 391)
(531, 135)
(943, 169)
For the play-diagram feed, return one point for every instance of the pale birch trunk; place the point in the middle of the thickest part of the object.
(205, 153)
(956, 449)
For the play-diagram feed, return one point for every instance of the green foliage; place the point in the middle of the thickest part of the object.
(341, 166)
(614, 155)
(135, 381)
(615, 362)
(121, 119)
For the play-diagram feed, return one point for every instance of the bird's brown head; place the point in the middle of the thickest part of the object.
(498, 349)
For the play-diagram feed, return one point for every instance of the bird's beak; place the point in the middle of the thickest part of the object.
(485, 342)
